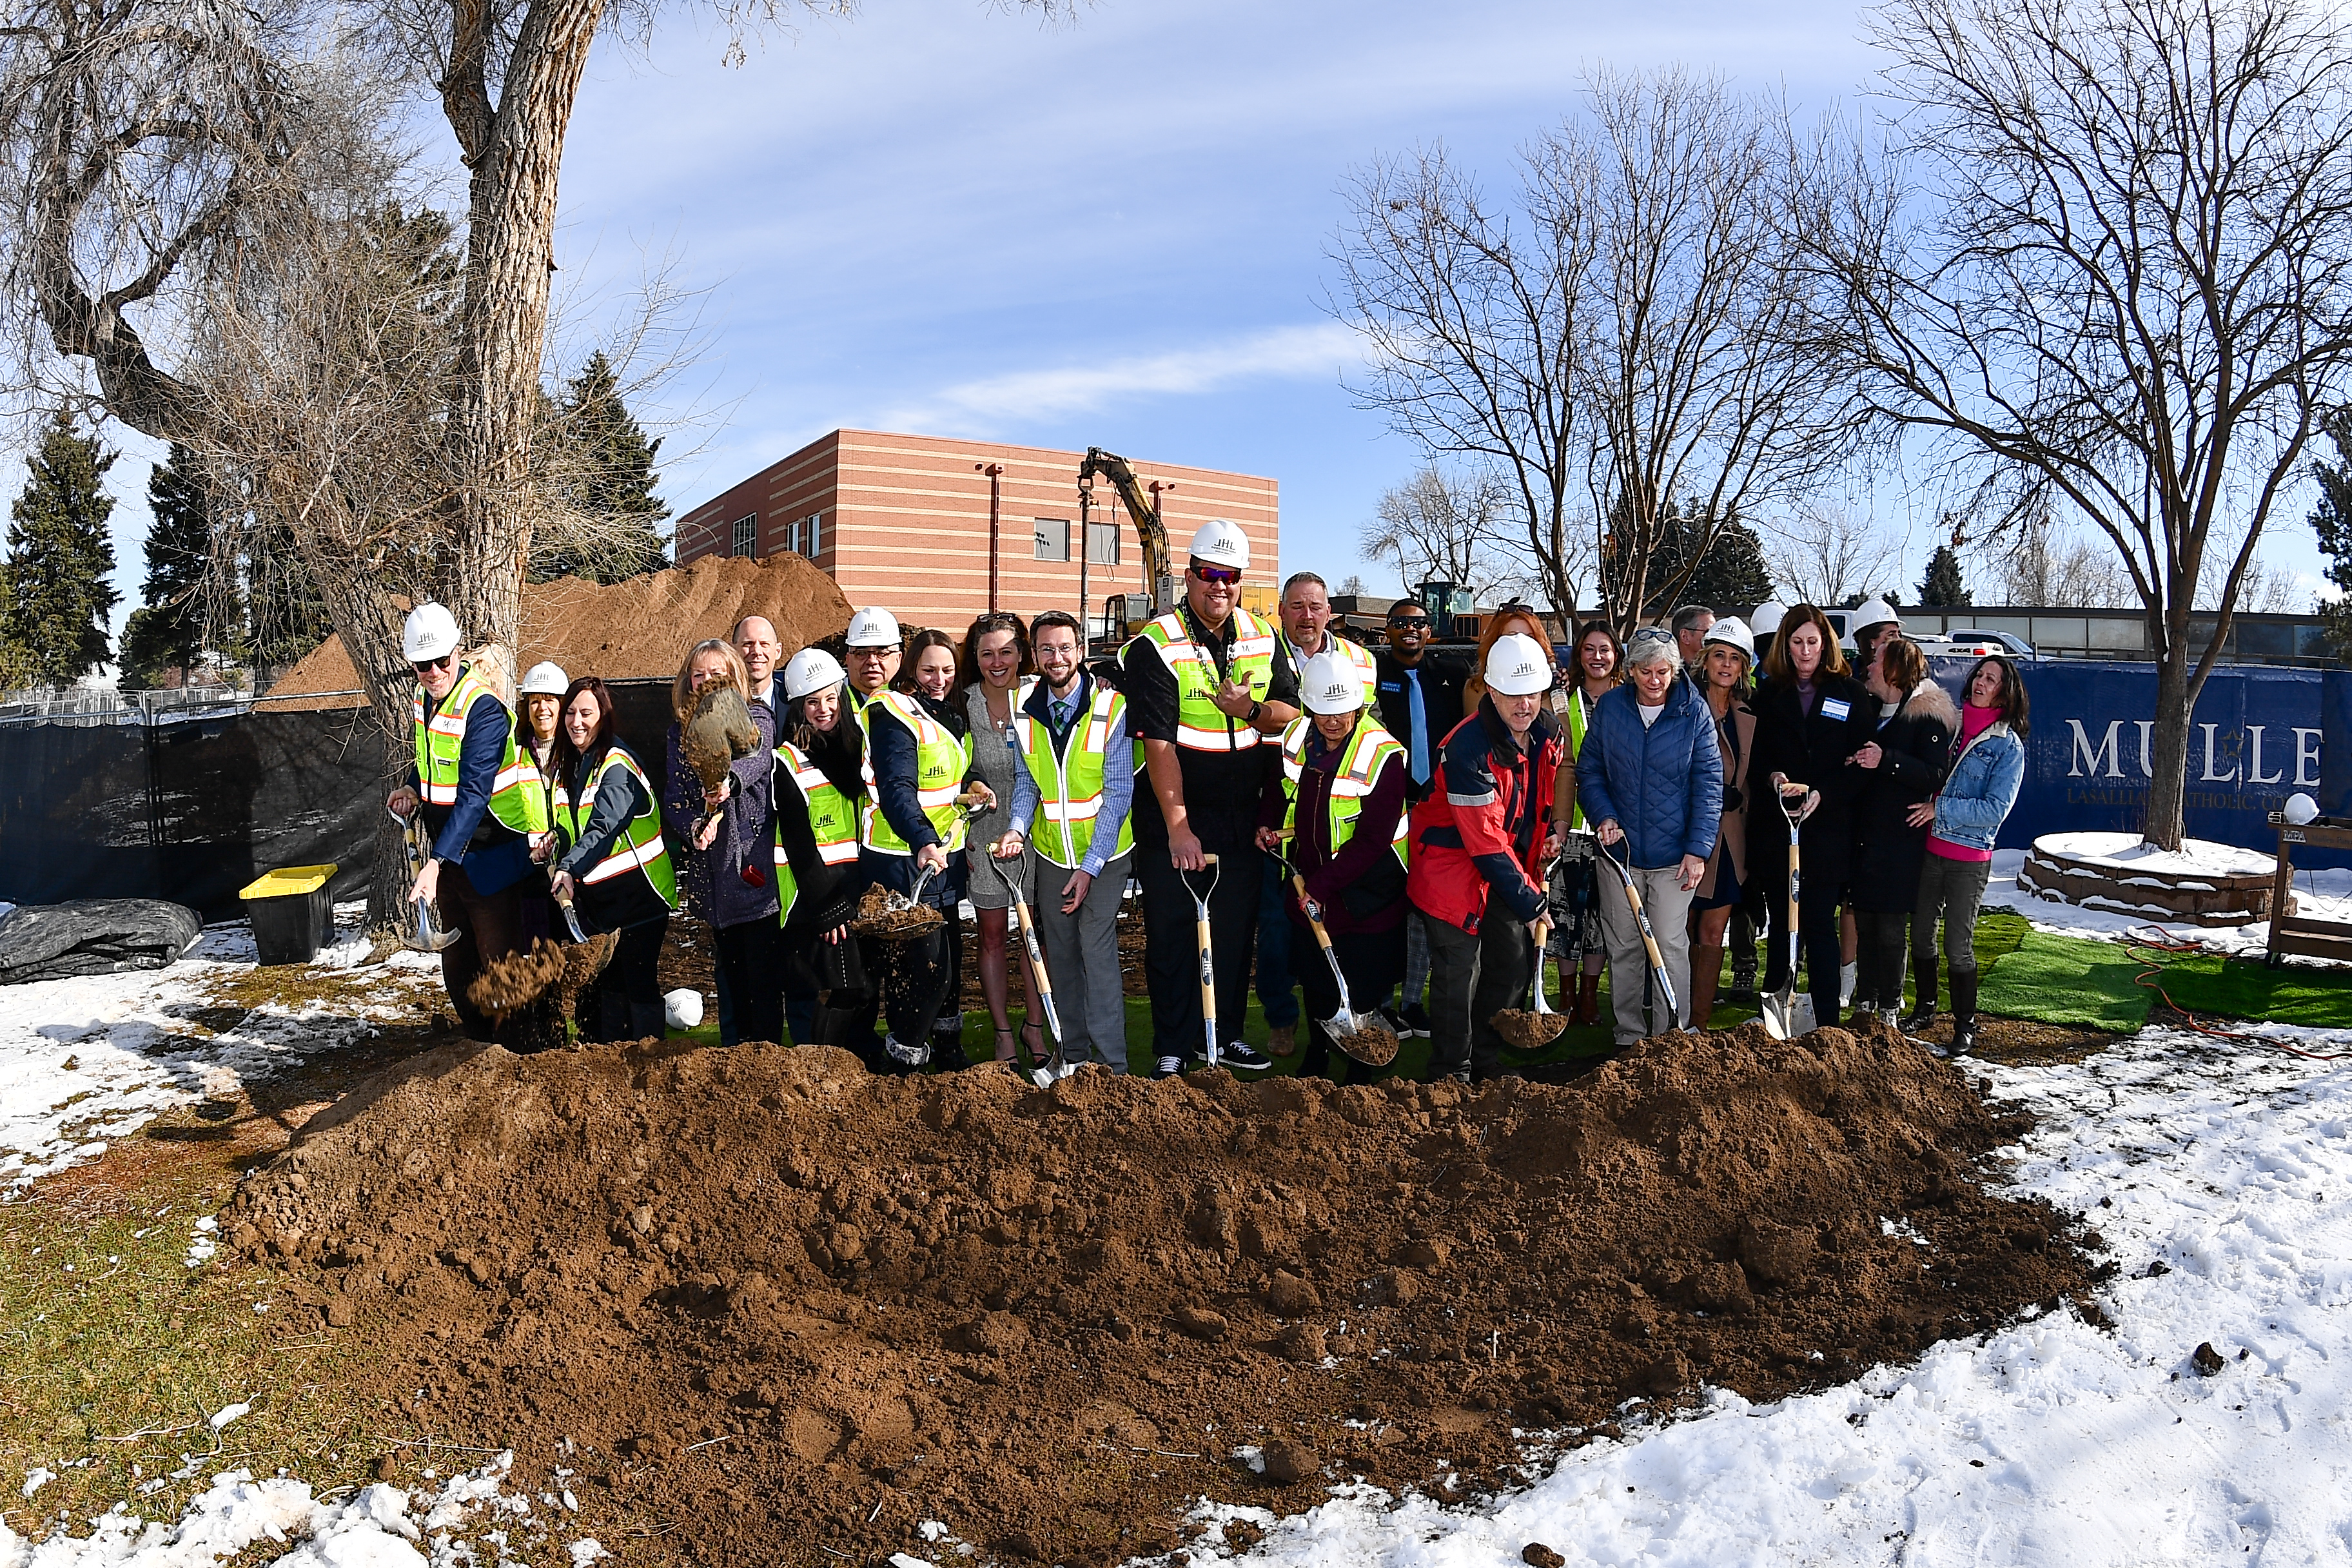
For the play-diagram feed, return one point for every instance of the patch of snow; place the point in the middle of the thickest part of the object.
(228, 1413)
(38, 1478)
(586, 1552)
(2129, 851)
(2319, 895)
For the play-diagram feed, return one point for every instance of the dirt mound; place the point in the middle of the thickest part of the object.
(637, 630)
(780, 1300)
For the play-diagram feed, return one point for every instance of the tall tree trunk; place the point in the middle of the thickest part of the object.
(2168, 740)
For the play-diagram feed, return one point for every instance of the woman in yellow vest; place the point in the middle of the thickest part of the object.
(1597, 668)
(612, 863)
(1340, 797)
(918, 761)
(819, 793)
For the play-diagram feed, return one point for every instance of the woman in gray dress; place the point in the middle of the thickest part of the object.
(994, 674)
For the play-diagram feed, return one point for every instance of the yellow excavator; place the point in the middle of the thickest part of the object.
(1124, 614)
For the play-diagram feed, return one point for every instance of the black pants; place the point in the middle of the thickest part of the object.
(749, 953)
(624, 1001)
(1373, 961)
(1471, 979)
(1172, 948)
(1817, 929)
(1878, 980)
(489, 927)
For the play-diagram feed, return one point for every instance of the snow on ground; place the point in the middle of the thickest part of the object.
(2320, 895)
(92, 1059)
(2130, 852)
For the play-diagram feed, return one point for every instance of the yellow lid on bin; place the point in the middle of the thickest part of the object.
(288, 882)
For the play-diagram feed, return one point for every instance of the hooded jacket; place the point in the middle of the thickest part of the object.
(1915, 744)
(1662, 782)
(1482, 834)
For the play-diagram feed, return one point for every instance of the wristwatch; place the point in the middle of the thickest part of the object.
(1256, 707)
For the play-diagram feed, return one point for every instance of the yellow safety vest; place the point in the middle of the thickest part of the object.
(1369, 747)
(942, 757)
(518, 797)
(832, 818)
(1573, 726)
(638, 862)
(1070, 786)
(1199, 725)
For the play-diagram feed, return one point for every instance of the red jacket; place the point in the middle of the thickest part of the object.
(1481, 829)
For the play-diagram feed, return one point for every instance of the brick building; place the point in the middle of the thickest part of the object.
(903, 522)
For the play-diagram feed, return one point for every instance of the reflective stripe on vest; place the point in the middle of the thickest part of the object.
(832, 822)
(1200, 724)
(639, 849)
(1368, 750)
(941, 759)
(1070, 786)
(518, 795)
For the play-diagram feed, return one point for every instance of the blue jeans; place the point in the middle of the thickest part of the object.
(1281, 1004)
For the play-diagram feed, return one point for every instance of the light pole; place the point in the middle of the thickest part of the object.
(995, 472)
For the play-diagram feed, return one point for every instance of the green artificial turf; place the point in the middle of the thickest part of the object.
(2244, 988)
(2065, 980)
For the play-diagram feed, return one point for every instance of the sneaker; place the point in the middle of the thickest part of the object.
(1395, 1019)
(1245, 1057)
(905, 1056)
(1168, 1066)
(1416, 1022)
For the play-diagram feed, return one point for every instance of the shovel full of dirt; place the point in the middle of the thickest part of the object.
(719, 732)
(1533, 1028)
(1365, 1037)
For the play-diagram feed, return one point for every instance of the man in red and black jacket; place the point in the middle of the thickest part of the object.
(1479, 844)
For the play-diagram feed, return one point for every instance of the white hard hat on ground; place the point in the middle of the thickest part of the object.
(545, 678)
(873, 628)
(1221, 543)
(682, 1008)
(430, 633)
(1330, 683)
(1517, 665)
(1873, 613)
(811, 670)
(1731, 631)
(1769, 616)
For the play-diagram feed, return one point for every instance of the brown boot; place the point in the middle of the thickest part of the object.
(1587, 1000)
(1705, 973)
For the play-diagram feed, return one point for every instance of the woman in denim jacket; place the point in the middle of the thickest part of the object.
(1963, 818)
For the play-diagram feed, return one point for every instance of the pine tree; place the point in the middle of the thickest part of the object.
(2331, 520)
(167, 631)
(1942, 585)
(59, 558)
(1732, 572)
(285, 615)
(605, 473)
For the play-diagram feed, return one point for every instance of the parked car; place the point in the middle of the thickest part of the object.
(1975, 641)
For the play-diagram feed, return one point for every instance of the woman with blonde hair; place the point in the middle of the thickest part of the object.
(726, 871)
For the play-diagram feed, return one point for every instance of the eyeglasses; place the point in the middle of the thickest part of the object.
(1649, 634)
(872, 652)
(1224, 575)
(426, 666)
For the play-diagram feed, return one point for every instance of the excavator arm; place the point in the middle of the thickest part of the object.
(1144, 508)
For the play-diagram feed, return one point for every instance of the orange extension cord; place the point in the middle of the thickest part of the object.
(2161, 940)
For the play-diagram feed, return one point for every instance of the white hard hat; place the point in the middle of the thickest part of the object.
(682, 1008)
(1517, 665)
(1221, 543)
(811, 670)
(1732, 632)
(1769, 616)
(545, 678)
(1873, 613)
(2300, 808)
(429, 633)
(1330, 683)
(873, 628)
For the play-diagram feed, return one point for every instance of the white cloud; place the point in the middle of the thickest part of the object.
(1288, 354)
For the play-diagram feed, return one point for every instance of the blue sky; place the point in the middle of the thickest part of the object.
(944, 217)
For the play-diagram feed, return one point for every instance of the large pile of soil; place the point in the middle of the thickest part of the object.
(787, 1303)
(637, 630)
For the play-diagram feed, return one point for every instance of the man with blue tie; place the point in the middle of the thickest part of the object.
(1420, 701)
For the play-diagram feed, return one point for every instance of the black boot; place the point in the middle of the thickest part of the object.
(1923, 1009)
(1964, 1011)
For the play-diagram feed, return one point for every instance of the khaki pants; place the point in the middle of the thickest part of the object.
(1668, 907)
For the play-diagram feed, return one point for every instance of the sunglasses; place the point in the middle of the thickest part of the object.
(1650, 634)
(1220, 574)
(1408, 620)
(423, 666)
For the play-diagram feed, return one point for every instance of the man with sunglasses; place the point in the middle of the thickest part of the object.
(1420, 700)
(1209, 689)
(478, 792)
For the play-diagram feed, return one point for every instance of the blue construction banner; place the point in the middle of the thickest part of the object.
(2258, 735)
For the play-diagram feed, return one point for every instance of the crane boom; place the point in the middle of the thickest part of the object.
(1144, 508)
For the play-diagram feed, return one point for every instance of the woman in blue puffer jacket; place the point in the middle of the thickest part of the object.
(1963, 817)
(1649, 777)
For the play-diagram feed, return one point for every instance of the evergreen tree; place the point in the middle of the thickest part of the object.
(1942, 585)
(167, 631)
(604, 473)
(2331, 520)
(285, 615)
(1732, 572)
(59, 557)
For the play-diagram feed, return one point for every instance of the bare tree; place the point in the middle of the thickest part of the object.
(1619, 340)
(2035, 566)
(1447, 528)
(1824, 554)
(2105, 259)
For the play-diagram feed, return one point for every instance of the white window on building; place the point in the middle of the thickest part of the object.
(745, 537)
(793, 536)
(1053, 539)
(1102, 543)
(812, 530)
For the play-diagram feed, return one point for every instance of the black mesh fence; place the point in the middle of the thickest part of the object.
(192, 805)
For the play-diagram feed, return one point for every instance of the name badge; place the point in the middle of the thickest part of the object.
(1836, 708)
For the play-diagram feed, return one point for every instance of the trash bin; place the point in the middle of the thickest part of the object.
(292, 916)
